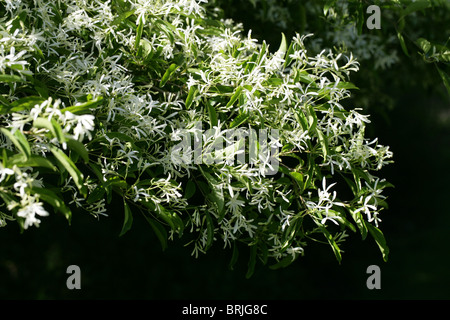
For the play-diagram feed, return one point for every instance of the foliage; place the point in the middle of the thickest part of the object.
(413, 40)
(96, 97)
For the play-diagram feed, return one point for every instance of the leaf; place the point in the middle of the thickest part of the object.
(190, 97)
(323, 143)
(190, 189)
(379, 239)
(79, 148)
(26, 103)
(122, 17)
(424, 44)
(209, 231)
(10, 78)
(416, 6)
(159, 230)
(33, 161)
(283, 46)
(333, 244)
(234, 97)
(358, 218)
(67, 163)
(213, 120)
(19, 140)
(299, 178)
(252, 261)
(402, 43)
(128, 219)
(172, 68)
(96, 194)
(84, 107)
(240, 119)
(139, 30)
(282, 263)
(234, 257)
(445, 78)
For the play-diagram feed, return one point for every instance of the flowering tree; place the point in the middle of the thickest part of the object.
(196, 126)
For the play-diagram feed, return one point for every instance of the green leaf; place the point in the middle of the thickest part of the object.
(139, 30)
(234, 257)
(379, 239)
(445, 79)
(67, 163)
(402, 43)
(79, 148)
(286, 261)
(213, 120)
(96, 194)
(299, 178)
(252, 261)
(234, 97)
(416, 6)
(33, 161)
(240, 119)
(26, 103)
(172, 68)
(209, 230)
(283, 46)
(190, 97)
(128, 219)
(160, 231)
(122, 17)
(84, 107)
(10, 78)
(358, 218)
(190, 189)
(424, 44)
(19, 140)
(333, 244)
(323, 143)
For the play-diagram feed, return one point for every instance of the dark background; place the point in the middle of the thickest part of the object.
(33, 264)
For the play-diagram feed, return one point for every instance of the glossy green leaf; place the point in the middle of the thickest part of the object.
(240, 119)
(128, 219)
(190, 97)
(139, 31)
(190, 189)
(10, 78)
(234, 97)
(79, 148)
(209, 230)
(252, 261)
(379, 239)
(19, 140)
(67, 163)
(234, 257)
(84, 108)
(172, 68)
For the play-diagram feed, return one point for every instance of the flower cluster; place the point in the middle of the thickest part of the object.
(96, 97)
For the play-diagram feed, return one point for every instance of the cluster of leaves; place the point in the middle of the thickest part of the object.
(411, 39)
(95, 98)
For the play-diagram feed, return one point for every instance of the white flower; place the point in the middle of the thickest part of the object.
(234, 204)
(4, 172)
(84, 126)
(30, 211)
